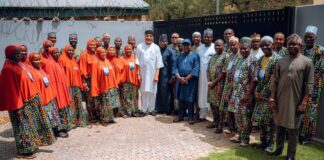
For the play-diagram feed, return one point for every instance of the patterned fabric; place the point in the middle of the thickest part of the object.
(243, 124)
(214, 69)
(121, 98)
(91, 102)
(29, 126)
(241, 79)
(262, 114)
(130, 98)
(308, 127)
(263, 77)
(66, 119)
(267, 131)
(79, 114)
(113, 97)
(282, 52)
(229, 67)
(231, 121)
(315, 54)
(93, 108)
(218, 117)
(106, 107)
(52, 114)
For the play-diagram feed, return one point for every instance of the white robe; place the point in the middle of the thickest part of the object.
(150, 59)
(205, 55)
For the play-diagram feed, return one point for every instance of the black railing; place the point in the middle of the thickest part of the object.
(244, 24)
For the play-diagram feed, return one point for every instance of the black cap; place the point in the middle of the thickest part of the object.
(149, 32)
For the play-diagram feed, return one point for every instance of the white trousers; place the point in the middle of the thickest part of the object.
(202, 113)
(148, 101)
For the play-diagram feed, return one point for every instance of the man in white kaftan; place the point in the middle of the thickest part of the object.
(150, 61)
(205, 52)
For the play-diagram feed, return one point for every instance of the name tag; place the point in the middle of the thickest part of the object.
(46, 81)
(131, 65)
(106, 71)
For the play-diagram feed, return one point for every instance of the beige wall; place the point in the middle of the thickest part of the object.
(318, 1)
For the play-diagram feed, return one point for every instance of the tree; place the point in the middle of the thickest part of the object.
(178, 9)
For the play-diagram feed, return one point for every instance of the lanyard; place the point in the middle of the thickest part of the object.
(26, 70)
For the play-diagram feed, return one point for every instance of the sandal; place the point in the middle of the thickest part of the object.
(104, 124)
(26, 156)
(63, 134)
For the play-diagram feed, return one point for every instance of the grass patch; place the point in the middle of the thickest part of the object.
(304, 152)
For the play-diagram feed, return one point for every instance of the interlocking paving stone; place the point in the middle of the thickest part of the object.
(132, 138)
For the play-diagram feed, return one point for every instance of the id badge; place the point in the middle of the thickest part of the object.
(230, 65)
(106, 71)
(131, 66)
(30, 76)
(237, 75)
(261, 74)
(46, 81)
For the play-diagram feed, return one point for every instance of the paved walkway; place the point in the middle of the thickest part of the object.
(133, 138)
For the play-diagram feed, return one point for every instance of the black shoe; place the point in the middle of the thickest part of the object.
(276, 153)
(211, 126)
(153, 113)
(177, 120)
(261, 146)
(191, 122)
(146, 113)
(218, 131)
(112, 122)
(290, 158)
(201, 120)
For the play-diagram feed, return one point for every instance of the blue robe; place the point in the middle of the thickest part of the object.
(184, 65)
(164, 89)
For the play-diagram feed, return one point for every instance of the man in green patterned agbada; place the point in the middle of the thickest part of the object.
(216, 79)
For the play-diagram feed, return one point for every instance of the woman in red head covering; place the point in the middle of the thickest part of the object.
(24, 53)
(104, 84)
(52, 69)
(85, 63)
(130, 81)
(63, 96)
(73, 79)
(118, 69)
(46, 89)
(20, 96)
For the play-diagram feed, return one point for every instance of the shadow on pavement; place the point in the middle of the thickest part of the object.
(7, 150)
(7, 133)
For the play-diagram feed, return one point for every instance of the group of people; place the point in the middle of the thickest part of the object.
(249, 83)
(253, 83)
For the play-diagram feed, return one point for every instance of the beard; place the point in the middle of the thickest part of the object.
(293, 53)
(73, 43)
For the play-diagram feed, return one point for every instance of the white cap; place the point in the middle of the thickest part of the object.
(267, 38)
(196, 34)
(311, 29)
